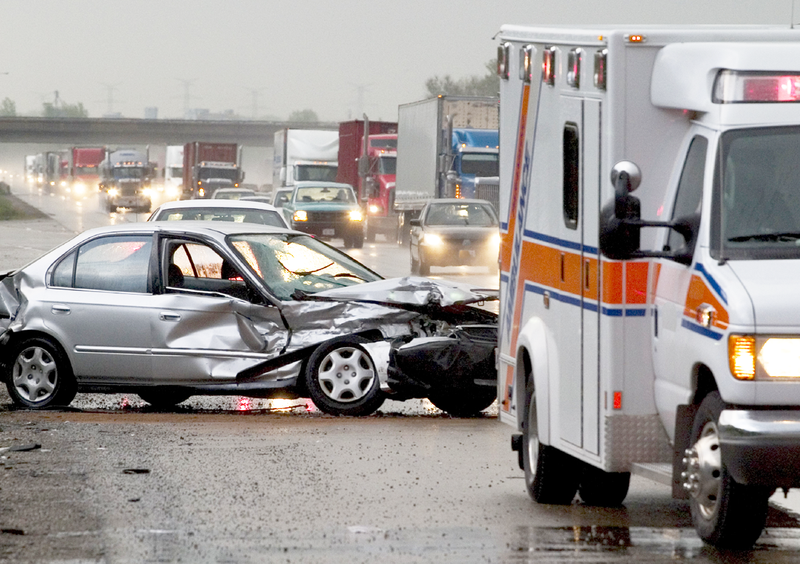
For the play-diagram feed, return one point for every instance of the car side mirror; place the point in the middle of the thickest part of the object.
(415, 222)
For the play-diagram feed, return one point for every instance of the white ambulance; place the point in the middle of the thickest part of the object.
(652, 330)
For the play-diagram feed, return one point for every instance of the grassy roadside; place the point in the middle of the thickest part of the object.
(12, 207)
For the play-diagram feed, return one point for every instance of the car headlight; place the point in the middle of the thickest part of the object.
(201, 192)
(494, 242)
(300, 215)
(79, 188)
(432, 239)
(355, 215)
(113, 192)
(764, 358)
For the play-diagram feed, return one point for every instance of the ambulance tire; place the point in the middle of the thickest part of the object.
(551, 476)
(603, 489)
(725, 514)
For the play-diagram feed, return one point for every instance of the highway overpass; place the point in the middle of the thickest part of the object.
(111, 131)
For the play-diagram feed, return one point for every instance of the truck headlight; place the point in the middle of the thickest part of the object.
(355, 215)
(113, 192)
(764, 358)
(300, 215)
(375, 209)
(780, 357)
(432, 239)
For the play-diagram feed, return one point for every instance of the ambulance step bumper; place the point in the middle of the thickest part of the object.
(661, 473)
(761, 447)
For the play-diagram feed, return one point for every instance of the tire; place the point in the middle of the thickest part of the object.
(370, 236)
(551, 476)
(39, 375)
(725, 514)
(164, 396)
(603, 489)
(424, 267)
(464, 403)
(358, 240)
(329, 386)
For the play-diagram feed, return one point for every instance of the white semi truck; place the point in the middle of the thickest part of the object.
(305, 154)
(652, 330)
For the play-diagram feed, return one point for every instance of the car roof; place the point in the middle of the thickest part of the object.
(222, 204)
(199, 227)
(314, 184)
(458, 201)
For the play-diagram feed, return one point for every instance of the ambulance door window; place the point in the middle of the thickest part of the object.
(690, 189)
(571, 172)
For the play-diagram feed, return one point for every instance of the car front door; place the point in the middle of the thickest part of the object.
(209, 324)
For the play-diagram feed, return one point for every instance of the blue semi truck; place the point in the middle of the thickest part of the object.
(447, 147)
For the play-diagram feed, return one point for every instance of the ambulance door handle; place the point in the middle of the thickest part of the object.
(562, 267)
(655, 321)
(586, 275)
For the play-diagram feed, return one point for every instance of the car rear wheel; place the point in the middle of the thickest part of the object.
(464, 403)
(164, 396)
(40, 375)
(342, 379)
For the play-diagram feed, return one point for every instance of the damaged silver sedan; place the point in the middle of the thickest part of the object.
(168, 310)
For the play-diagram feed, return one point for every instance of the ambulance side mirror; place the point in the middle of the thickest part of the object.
(620, 238)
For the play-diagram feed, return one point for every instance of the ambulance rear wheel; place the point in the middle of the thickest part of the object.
(603, 489)
(551, 476)
(725, 514)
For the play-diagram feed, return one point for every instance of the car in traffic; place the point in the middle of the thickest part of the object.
(452, 232)
(328, 210)
(263, 198)
(281, 196)
(171, 309)
(231, 193)
(237, 211)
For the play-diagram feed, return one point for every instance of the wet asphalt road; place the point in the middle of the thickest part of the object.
(236, 480)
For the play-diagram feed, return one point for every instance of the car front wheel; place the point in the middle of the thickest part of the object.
(40, 375)
(342, 379)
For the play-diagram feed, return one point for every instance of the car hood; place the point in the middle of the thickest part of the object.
(325, 206)
(772, 287)
(415, 292)
(458, 231)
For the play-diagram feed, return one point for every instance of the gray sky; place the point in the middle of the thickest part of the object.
(325, 55)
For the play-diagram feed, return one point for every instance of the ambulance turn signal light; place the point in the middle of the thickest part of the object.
(742, 356)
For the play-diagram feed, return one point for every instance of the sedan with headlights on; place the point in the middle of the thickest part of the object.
(171, 309)
(451, 232)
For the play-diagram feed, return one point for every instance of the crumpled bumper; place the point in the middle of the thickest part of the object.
(761, 447)
(463, 360)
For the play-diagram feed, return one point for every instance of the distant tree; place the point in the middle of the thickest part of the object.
(8, 108)
(487, 85)
(304, 115)
(64, 110)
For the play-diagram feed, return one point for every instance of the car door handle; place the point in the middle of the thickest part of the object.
(168, 316)
(59, 308)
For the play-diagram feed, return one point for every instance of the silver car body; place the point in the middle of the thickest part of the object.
(219, 210)
(130, 338)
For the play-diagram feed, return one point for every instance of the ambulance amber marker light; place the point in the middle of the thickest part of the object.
(636, 39)
(742, 356)
(617, 400)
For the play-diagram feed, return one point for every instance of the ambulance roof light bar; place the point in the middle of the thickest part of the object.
(503, 59)
(526, 63)
(747, 87)
(549, 66)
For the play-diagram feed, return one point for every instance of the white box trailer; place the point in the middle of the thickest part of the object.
(656, 332)
(305, 154)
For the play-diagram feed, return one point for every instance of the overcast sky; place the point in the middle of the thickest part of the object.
(336, 57)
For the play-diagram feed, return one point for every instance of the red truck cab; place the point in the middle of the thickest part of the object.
(371, 172)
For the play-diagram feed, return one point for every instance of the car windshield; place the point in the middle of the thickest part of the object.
(480, 164)
(476, 215)
(318, 173)
(232, 194)
(263, 217)
(325, 194)
(288, 263)
(760, 193)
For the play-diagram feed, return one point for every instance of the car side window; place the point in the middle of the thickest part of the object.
(116, 264)
(195, 266)
(690, 189)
